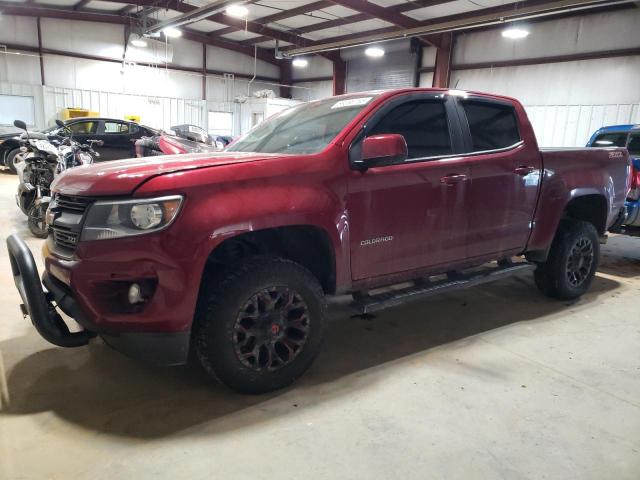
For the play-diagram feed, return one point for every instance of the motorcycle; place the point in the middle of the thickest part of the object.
(41, 163)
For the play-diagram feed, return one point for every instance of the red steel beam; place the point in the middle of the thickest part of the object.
(339, 77)
(442, 72)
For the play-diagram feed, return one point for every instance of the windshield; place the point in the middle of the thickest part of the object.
(610, 140)
(303, 129)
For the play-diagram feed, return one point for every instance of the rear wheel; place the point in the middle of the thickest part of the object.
(260, 327)
(36, 221)
(572, 261)
(14, 156)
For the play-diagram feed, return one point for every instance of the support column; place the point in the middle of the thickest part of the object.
(204, 72)
(285, 78)
(40, 51)
(442, 73)
(339, 76)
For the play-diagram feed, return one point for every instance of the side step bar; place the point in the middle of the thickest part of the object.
(423, 288)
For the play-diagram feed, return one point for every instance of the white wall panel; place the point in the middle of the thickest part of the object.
(89, 38)
(573, 125)
(154, 111)
(229, 61)
(33, 91)
(318, 67)
(585, 33)
(602, 81)
(19, 30)
(19, 67)
(313, 90)
(186, 53)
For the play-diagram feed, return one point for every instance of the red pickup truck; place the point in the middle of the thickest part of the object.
(231, 255)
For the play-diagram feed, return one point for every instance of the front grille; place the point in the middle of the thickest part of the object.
(64, 237)
(67, 224)
(71, 203)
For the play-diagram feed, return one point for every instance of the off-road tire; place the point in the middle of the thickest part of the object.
(10, 160)
(223, 301)
(554, 277)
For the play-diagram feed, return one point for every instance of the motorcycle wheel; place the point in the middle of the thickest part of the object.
(36, 222)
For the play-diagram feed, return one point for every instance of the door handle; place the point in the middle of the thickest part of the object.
(453, 178)
(524, 170)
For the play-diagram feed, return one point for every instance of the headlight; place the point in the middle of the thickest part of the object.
(115, 219)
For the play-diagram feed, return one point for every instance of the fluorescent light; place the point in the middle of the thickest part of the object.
(172, 32)
(139, 42)
(300, 62)
(515, 33)
(375, 52)
(238, 11)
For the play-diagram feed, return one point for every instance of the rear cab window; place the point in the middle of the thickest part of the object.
(634, 144)
(611, 139)
(492, 125)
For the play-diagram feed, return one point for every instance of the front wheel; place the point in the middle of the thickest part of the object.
(572, 261)
(261, 326)
(36, 220)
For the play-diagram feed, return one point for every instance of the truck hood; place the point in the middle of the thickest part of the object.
(122, 177)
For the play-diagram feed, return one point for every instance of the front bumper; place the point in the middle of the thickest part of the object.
(163, 348)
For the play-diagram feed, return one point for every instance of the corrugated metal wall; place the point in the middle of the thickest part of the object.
(572, 125)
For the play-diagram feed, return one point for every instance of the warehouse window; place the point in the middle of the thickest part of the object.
(423, 124)
(493, 126)
(221, 123)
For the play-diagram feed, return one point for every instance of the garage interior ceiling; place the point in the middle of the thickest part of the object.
(300, 26)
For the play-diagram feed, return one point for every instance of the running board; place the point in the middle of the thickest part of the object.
(424, 288)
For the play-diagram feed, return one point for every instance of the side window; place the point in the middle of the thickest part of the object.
(492, 125)
(83, 128)
(422, 123)
(115, 127)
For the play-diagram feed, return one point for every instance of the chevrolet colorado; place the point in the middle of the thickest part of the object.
(232, 254)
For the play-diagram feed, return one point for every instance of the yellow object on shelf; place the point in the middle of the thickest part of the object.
(132, 118)
(68, 113)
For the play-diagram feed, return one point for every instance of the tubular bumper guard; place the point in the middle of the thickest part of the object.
(36, 303)
(156, 348)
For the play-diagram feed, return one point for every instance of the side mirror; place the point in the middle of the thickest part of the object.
(382, 150)
(59, 123)
(20, 124)
(98, 143)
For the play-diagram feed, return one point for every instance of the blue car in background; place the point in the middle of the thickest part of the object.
(624, 136)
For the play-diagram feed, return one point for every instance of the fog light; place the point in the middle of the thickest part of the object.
(135, 294)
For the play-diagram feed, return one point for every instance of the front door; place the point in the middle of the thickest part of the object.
(413, 215)
(506, 171)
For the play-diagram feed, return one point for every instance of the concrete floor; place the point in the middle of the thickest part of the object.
(493, 382)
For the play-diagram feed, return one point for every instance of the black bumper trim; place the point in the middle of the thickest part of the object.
(37, 304)
(161, 349)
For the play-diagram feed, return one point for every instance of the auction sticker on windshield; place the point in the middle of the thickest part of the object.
(352, 102)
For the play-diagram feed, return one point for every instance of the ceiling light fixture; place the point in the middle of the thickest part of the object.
(374, 52)
(172, 32)
(237, 11)
(515, 33)
(300, 62)
(139, 42)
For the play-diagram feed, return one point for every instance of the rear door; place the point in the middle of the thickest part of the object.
(84, 130)
(506, 166)
(413, 215)
(116, 136)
